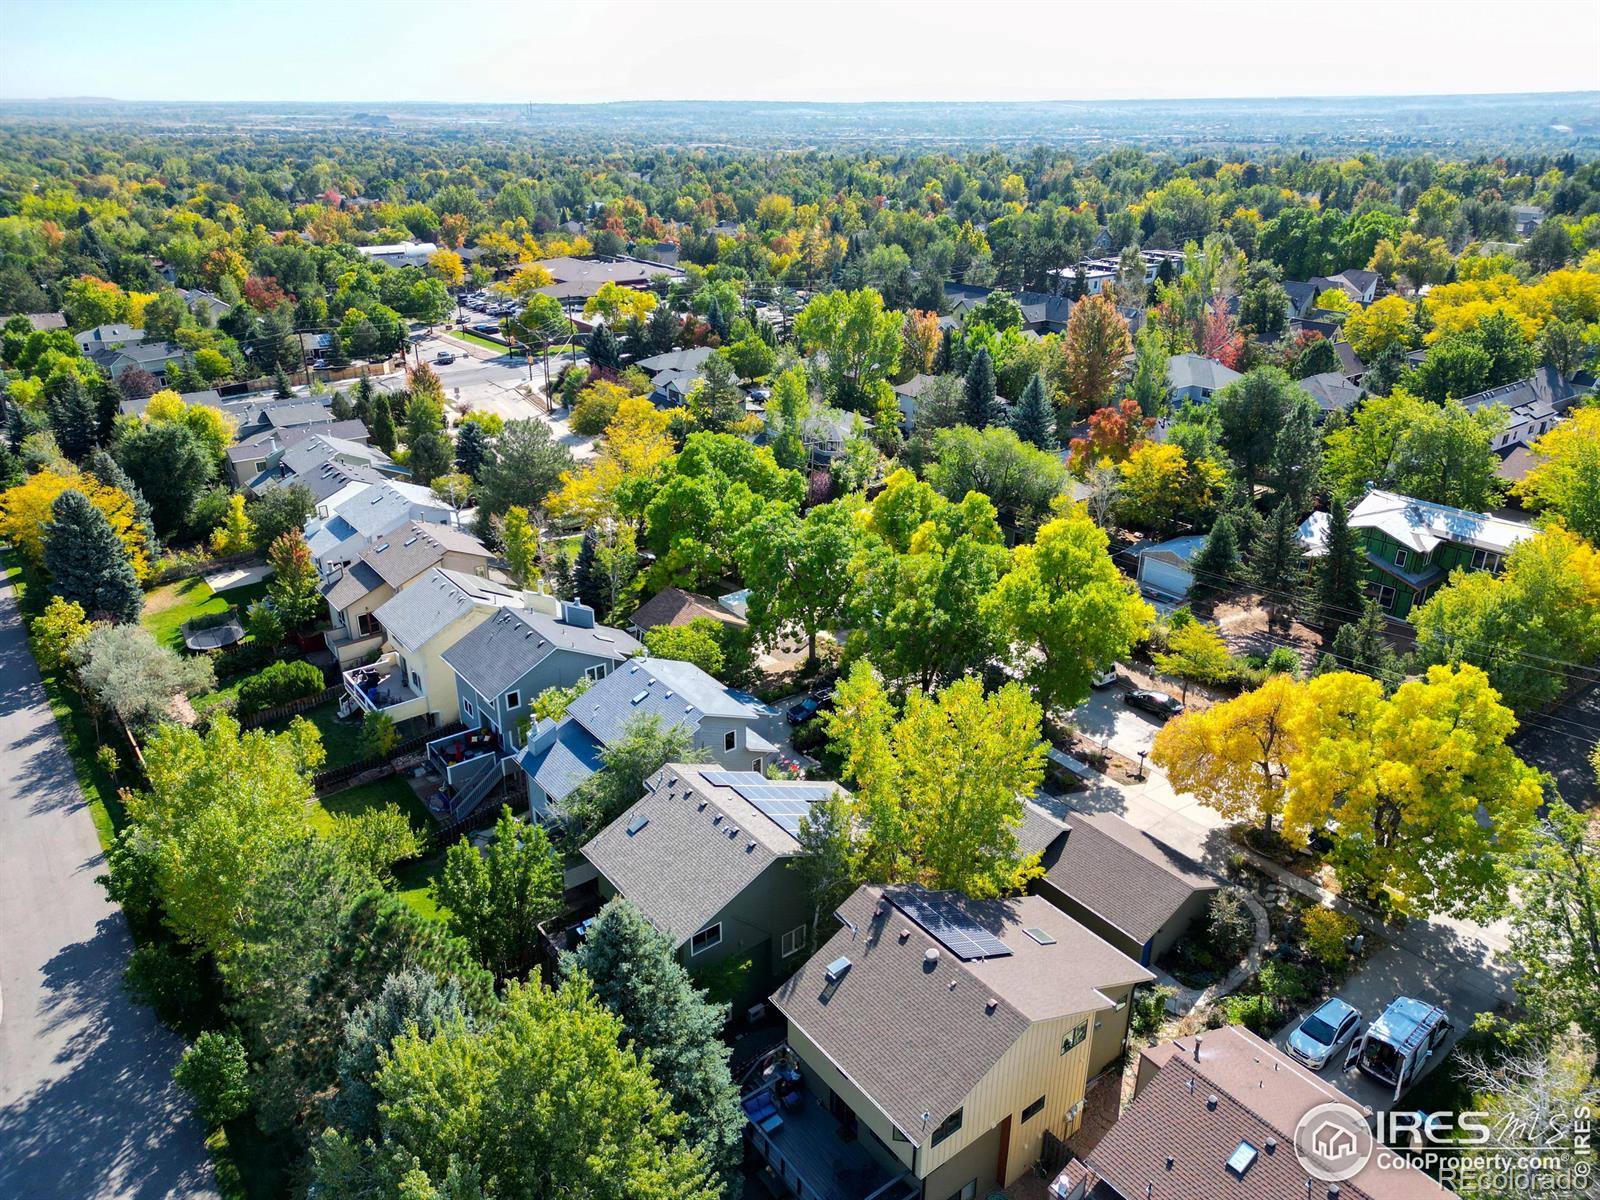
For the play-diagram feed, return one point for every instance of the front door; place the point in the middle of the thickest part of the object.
(1005, 1151)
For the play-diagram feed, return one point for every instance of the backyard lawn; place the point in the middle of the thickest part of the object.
(414, 880)
(169, 606)
(340, 738)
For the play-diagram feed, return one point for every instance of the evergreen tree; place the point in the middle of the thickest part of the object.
(361, 399)
(604, 350)
(1034, 419)
(636, 974)
(88, 563)
(105, 468)
(587, 585)
(1297, 458)
(1363, 645)
(72, 418)
(944, 357)
(661, 331)
(1215, 566)
(717, 318)
(979, 407)
(340, 407)
(1385, 370)
(1277, 559)
(1342, 571)
(381, 427)
(472, 448)
(282, 388)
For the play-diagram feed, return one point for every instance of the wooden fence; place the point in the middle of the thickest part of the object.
(326, 781)
(268, 715)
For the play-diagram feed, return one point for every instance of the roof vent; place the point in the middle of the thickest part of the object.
(717, 820)
(1242, 1158)
(1272, 1144)
(990, 1004)
(733, 831)
(637, 824)
(905, 936)
(952, 983)
(930, 955)
(701, 807)
(1170, 1161)
(1197, 1049)
(750, 845)
(1211, 1100)
(836, 969)
(1191, 1085)
(639, 696)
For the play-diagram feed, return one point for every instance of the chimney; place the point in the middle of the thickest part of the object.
(1197, 1049)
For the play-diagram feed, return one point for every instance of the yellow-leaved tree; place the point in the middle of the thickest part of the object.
(635, 446)
(25, 512)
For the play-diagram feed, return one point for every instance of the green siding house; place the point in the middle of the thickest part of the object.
(1413, 545)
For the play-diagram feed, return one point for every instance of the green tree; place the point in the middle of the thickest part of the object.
(293, 589)
(1065, 610)
(860, 340)
(1362, 645)
(799, 570)
(73, 418)
(646, 745)
(1277, 559)
(1195, 654)
(635, 972)
(829, 862)
(980, 406)
(381, 428)
(1253, 411)
(1034, 419)
(545, 1095)
(87, 561)
(527, 466)
(498, 899)
(1441, 453)
(171, 468)
(1341, 572)
(1148, 384)
(520, 541)
(1296, 467)
(1021, 480)
(215, 1072)
(786, 418)
(1216, 566)
(696, 642)
(278, 510)
(124, 671)
(472, 448)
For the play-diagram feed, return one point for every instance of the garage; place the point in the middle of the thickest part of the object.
(1164, 567)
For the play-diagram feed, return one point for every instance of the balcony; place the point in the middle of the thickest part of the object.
(812, 1154)
(383, 687)
(455, 757)
(347, 647)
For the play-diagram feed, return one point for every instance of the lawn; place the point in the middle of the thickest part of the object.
(169, 606)
(413, 880)
(340, 738)
(478, 340)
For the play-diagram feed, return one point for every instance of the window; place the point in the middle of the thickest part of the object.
(1401, 557)
(466, 707)
(708, 937)
(950, 1125)
(967, 1192)
(596, 673)
(730, 740)
(1485, 560)
(1385, 597)
(416, 681)
(1075, 1038)
(756, 766)
(792, 942)
(1033, 1110)
(513, 698)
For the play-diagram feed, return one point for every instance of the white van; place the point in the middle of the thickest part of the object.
(1397, 1046)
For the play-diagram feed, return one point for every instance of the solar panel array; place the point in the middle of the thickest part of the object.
(943, 918)
(783, 802)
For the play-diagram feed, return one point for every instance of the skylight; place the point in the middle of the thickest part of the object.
(1241, 1159)
(1039, 935)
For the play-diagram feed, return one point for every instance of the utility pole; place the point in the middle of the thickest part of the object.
(305, 360)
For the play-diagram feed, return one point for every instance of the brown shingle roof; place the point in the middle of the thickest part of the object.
(1261, 1094)
(913, 1043)
(1123, 876)
(674, 606)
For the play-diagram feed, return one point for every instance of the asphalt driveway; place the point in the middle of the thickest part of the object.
(1105, 718)
(88, 1109)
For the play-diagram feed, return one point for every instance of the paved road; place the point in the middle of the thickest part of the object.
(88, 1109)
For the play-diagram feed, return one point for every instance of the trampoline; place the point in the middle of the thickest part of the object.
(216, 637)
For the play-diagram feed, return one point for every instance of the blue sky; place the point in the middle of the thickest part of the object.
(594, 50)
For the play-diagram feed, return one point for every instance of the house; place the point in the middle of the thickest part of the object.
(906, 395)
(1360, 286)
(943, 1037)
(503, 665)
(1164, 567)
(355, 516)
(46, 320)
(1215, 1115)
(732, 726)
(705, 855)
(400, 254)
(1528, 218)
(200, 301)
(313, 456)
(425, 618)
(1333, 392)
(691, 360)
(575, 280)
(674, 606)
(1413, 545)
(107, 337)
(1195, 377)
(123, 357)
(1119, 882)
(1532, 405)
(354, 593)
(1098, 273)
(1349, 361)
(1302, 297)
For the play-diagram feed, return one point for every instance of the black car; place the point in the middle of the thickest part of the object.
(810, 706)
(1159, 703)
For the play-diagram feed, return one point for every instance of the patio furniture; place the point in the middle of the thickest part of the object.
(763, 1112)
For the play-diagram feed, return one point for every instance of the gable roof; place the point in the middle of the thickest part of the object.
(914, 386)
(692, 359)
(383, 505)
(1420, 525)
(398, 557)
(328, 479)
(674, 606)
(1349, 361)
(350, 584)
(1241, 1089)
(418, 613)
(1195, 370)
(1332, 390)
(494, 656)
(898, 1029)
(1544, 393)
(1122, 875)
(1176, 551)
(677, 693)
(701, 845)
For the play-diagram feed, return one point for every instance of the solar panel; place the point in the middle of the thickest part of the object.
(943, 918)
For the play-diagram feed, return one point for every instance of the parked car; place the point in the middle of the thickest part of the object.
(810, 707)
(444, 358)
(1106, 678)
(1323, 1033)
(1397, 1046)
(488, 327)
(1159, 703)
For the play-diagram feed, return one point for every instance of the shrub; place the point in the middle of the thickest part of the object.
(1150, 1010)
(1283, 981)
(261, 622)
(1230, 926)
(215, 1072)
(106, 756)
(1256, 1013)
(168, 980)
(1283, 661)
(60, 627)
(278, 684)
(1324, 934)
(378, 736)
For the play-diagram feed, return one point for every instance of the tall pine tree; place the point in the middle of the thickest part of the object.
(1297, 457)
(587, 585)
(979, 407)
(472, 447)
(605, 351)
(88, 563)
(636, 974)
(1215, 566)
(107, 470)
(1034, 419)
(73, 418)
(1363, 645)
(381, 427)
(1342, 570)
(1277, 560)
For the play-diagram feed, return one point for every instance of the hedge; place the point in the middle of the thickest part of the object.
(278, 684)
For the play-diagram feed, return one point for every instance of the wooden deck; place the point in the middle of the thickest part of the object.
(815, 1163)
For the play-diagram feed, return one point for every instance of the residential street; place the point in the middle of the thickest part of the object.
(88, 1109)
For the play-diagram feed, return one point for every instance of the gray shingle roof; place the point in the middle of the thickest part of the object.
(1194, 370)
(399, 557)
(332, 476)
(559, 768)
(431, 603)
(912, 1042)
(348, 586)
(677, 693)
(1122, 876)
(495, 655)
(701, 846)
(1332, 391)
